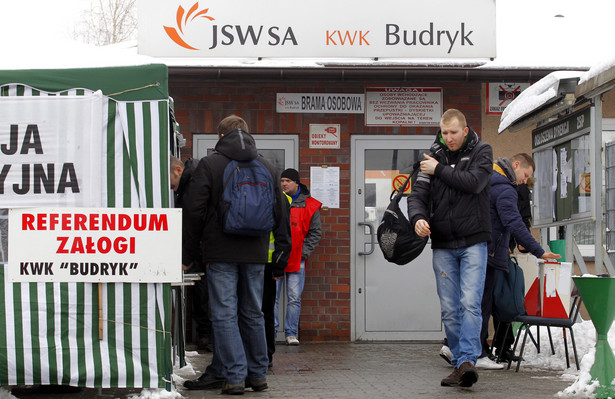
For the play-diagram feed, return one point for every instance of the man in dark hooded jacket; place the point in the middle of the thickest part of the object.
(235, 266)
(506, 221)
(181, 181)
(450, 202)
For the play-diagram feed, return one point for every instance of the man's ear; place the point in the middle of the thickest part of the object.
(516, 165)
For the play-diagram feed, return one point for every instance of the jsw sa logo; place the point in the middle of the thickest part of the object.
(226, 35)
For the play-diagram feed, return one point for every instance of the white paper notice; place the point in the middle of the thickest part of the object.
(325, 185)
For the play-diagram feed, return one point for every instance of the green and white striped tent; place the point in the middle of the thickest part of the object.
(49, 332)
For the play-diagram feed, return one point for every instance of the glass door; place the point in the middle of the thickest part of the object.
(391, 302)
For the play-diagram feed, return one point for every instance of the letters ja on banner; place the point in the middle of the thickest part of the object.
(52, 151)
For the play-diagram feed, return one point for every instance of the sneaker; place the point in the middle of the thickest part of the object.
(205, 381)
(487, 364)
(469, 375)
(256, 386)
(292, 340)
(233, 389)
(452, 380)
(446, 354)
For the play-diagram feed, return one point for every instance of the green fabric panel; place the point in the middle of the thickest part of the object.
(144, 333)
(51, 330)
(36, 345)
(64, 320)
(4, 378)
(167, 337)
(19, 338)
(109, 80)
(147, 153)
(165, 139)
(80, 326)
(96, 323)
(111, 153)
(111, 339)
(128, 345)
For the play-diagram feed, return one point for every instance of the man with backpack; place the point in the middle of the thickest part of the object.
(234, 238)
(506, 221)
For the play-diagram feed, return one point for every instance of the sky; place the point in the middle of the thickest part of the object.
(31, 19)
(529, 33)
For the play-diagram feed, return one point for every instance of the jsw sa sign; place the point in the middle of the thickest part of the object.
(95, 245)
(319, 28)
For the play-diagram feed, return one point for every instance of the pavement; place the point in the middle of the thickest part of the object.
(357, 370)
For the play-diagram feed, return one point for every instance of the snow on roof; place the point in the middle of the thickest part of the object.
(55, 53)
(598, 68)
(535, 96)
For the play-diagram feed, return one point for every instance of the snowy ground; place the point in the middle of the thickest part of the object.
(580, 387)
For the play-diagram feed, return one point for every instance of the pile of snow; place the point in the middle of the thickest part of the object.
(585, 338)
(535, 96)
(598, 68)
(5, 394)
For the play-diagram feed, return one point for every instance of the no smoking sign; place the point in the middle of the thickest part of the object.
(399, 181)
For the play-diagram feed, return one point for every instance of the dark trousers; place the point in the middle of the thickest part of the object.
(200, 308)
(269, 292)
(486, 310)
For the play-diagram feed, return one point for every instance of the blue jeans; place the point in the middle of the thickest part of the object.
(235, 295)
(294, 288)
(460, 280)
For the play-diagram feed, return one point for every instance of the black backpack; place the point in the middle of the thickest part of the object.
(246, 206)
(509, 292)
(396, 237)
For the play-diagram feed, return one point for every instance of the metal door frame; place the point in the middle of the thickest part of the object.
(357, 160)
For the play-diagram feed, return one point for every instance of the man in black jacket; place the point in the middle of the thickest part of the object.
(450, 202)
(181, 179)
(235, 265)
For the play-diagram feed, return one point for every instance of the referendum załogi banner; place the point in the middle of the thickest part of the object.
(82, 149)
(95, 245)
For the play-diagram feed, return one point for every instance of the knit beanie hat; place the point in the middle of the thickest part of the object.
(291, 174)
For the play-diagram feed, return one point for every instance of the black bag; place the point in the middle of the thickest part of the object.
(509, 292)
(396, 237)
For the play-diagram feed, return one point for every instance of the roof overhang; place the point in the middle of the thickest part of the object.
(597, 85)
(548, 97)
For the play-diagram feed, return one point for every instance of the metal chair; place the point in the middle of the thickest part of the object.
(564, 323)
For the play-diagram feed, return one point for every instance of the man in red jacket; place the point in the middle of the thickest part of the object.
(305, 232)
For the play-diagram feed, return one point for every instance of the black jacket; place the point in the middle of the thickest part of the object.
(183, 192)
(202, 203)
(459, 193)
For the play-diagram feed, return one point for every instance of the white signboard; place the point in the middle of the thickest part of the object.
(318, 28)
(403, 106)
(95, 245)
(324, 136)
(325, 185)
(322, 103)
(51, 148)
(499, 95)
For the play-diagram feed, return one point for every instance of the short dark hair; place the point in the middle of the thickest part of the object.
(231, 123)
(525, 160)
